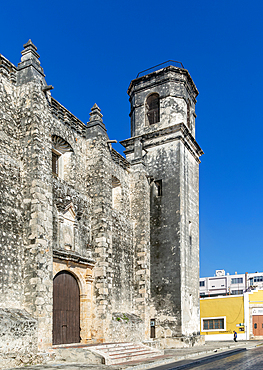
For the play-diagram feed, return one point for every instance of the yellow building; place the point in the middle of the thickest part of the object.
(253, 304)
(222, 315)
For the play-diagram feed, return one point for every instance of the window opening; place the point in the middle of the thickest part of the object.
(258, 278)
(213, 324)
(158, 184)
(55, 158)
(237, 281)
(61, 151)
(202, 283)
(153, 109)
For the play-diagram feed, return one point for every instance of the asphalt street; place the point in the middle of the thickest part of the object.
(250, 359)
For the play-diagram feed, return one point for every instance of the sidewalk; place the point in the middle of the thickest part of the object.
(170, 356)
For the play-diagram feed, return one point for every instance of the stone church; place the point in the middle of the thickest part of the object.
(96, 247)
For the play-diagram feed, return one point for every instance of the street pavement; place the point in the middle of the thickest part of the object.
(212, 355)
(249, 359)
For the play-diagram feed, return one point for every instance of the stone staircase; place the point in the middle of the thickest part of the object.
(118, 353)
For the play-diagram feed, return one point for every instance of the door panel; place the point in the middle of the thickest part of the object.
(66, 309)
(258, 325)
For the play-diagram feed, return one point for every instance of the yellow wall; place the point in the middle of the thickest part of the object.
(256, 297)
(230, 306)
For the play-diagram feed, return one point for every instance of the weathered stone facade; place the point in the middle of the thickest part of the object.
(126, 230)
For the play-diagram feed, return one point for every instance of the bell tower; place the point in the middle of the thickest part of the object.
(163, 137)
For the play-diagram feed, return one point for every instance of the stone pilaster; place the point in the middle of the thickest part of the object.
(37, 199)
(140, 215)
(99, 188)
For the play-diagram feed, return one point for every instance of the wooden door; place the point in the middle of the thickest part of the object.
(66, 309)
(258, 325)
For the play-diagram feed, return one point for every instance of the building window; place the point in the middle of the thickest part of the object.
(258, 279)
(213, 324)
(55, 158)
(159, 187)
(236, 292)
(153, 109)
(237, 281)
(202, 283)
(61, 156)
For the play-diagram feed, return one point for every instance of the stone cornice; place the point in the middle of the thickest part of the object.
(177, 70)
(164, 135)
(31, 63)
(64, 115)
(165, 81)
(119, 159)
(7, 69)
(73, 257)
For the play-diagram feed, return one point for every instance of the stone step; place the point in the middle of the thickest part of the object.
(116, 353)
(120, 349)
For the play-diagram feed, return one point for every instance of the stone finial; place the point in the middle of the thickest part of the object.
(30, 44)
(29, 68)
(95, 114)
(95, 126)
(30, 52)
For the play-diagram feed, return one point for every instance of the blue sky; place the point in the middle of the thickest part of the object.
(91, 50)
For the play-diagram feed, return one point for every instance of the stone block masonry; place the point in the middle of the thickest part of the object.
(95, 246)
(18, 337)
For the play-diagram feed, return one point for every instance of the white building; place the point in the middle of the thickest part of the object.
(224, 284)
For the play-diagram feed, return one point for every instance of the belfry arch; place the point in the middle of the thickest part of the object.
(152, 109)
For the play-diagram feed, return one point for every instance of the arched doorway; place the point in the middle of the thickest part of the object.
(66, 309)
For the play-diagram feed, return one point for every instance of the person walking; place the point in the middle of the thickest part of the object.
(235, 336)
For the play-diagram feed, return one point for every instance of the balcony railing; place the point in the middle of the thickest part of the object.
(160, 66)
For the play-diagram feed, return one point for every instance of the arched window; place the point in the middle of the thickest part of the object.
(61, 151)
(153, 109)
